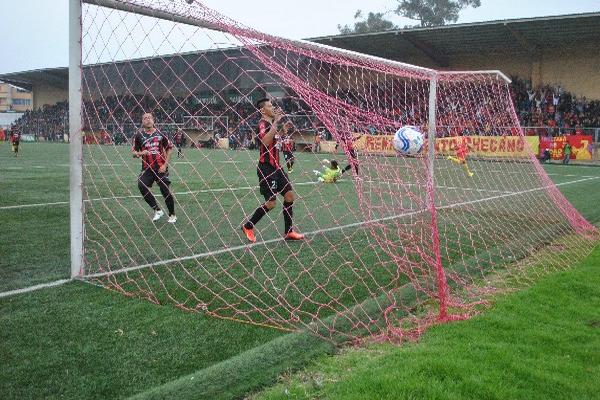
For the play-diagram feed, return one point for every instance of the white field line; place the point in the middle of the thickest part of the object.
(585, 178)
(63, 281)
(261, 243)
(230, 189)
(32, 288)
(244, 246)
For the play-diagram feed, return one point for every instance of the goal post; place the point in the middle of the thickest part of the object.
(75, 141)
(396, 243)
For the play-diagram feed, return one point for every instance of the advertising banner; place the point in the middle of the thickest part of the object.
(479, 146)
(581, 146)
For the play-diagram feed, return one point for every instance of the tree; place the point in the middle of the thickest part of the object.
(427, 12)
(433, 12)
(375, 22)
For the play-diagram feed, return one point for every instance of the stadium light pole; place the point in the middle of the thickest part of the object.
(75, 139)
(441, 283)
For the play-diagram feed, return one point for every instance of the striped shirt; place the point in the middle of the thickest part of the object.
(156, 144)
(267, 154)
(287, 144)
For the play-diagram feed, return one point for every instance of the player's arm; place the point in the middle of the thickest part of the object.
(168, 150)
(267, 138)
(167, 157)
(136, 149)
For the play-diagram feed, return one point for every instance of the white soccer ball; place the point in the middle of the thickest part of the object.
(408, 140)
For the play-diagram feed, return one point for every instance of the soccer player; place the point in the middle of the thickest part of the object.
(287, 146)
(15, 138)
(317, 144)
(178, 139)
(331, 173)
(567, 153)
(272, 178)
(348, 143)
(155, 150)
(461, 155)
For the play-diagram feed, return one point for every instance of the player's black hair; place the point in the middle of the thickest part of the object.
(334, 164)
(260, 103)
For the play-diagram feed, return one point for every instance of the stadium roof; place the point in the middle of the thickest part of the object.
(437, 43)
(504, 36)
(56, 77)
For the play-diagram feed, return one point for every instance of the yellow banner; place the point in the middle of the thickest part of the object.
(491, 146)
(479, 146)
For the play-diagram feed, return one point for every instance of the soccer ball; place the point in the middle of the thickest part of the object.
(408, 140)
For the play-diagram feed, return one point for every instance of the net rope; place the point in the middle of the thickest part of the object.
(385, 247)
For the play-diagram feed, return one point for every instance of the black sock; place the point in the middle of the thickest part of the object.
(170, 204)
(288, 214)
(169, 201)
(148, 196)
(258, 214)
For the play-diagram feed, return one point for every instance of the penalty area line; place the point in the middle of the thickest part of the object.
(230, 189)
(221, 190)
(246, 246)
(316, 232)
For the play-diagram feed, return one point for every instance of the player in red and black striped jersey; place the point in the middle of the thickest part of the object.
(287, 146)
(178, 139)
(272, 178)
(347, 141)
(15, 138)
(155, 150)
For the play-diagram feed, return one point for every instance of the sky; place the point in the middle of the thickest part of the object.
(38, 29)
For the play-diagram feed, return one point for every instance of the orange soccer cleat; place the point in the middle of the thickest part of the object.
(249, 234)
(291, 235)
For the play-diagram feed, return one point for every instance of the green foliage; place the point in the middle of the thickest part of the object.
(427, 12)
(375, 22)
(434, 12)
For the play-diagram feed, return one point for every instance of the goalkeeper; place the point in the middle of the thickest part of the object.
(331, 172)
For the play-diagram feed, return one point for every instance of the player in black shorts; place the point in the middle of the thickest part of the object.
(15, 138)
(272, 178)
(287, 146)
(348, 143)
(155, 150)
(178, 139)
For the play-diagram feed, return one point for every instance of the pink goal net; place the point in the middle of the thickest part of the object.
(395, 243)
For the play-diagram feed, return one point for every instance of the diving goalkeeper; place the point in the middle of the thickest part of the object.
(331, 172)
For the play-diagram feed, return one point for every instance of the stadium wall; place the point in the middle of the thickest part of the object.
(48, 94)
(576, 70)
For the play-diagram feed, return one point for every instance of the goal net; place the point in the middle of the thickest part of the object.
(399, 242)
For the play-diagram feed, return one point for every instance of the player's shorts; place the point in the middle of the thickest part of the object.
(15, 147)
(149, 176)
(288, 156)
(272, 181)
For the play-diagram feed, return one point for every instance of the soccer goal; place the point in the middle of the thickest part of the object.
(398, 241)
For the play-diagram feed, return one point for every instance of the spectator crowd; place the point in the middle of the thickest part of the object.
(542, 110)
(553, 108)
